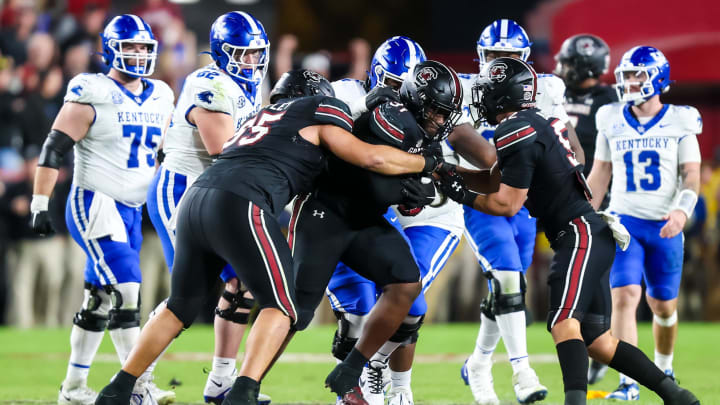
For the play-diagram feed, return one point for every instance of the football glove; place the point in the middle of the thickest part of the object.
(40, 221)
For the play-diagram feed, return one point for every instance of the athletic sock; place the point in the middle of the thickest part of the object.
(631, 361)
(573, 357)
(512, 329)
(223, 366)
(663, 361)
(124, 339)
(401, 378)
(384, 352)
(84, 345)
(487, 339)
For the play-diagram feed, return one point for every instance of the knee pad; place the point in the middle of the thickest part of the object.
(94, 314)
(486, 306)
(124, 318)
(407, 333)
(126, 305)
(237, 301)
(347, 334)
(592, 326)
(508, 293)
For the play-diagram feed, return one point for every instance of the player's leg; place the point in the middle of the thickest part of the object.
(664, 259)
(432, 247)
(625, 279)
(196, 268)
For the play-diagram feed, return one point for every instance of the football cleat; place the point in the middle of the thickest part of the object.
(527, 387)
(81, 395)
(373, 382)
(163, 397)
(353, 397)
(596, 372)
(479, 378)
(400, 396)
(217, 387)
(141, 394)
(625, 392)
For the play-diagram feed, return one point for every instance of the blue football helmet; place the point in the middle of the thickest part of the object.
(393, 59)
(129, 29)
(635, 62)
(234, 34)
(503, 36)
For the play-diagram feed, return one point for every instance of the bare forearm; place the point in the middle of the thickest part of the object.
(690, 173)
(391, 161)
(472, 147)
(490, 204)
(481, 181)
(45, 179)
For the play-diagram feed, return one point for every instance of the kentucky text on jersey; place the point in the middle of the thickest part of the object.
(641, 143)
(140, 118)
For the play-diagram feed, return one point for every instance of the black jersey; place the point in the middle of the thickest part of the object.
(534, 153)
(582, 105)
(361, 196)
(267, 161)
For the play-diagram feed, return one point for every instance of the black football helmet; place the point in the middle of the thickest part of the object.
(504, 85)
(432, 87)
(301, 83)
(582, 56)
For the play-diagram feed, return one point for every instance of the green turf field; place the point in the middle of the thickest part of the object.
(34, 364)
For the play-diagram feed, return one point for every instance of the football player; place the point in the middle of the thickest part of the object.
(650, 150)
(537, 167)
(228, 216)
(214, 101)
(582, 59)
(504, 246)
(114, 123)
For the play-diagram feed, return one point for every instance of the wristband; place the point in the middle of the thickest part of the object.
(685, 202)
(469, 198)
(39, 203)
(431, 163)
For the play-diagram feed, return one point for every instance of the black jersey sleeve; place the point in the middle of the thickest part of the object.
(333, 111)
(391, 123)
(517, 152)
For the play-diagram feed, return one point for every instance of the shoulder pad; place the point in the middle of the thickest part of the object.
(513, 134)
(690, 119)
(606, 115)
(163, 90)
(348, 90)
(88, 88)
(551, 88)
(390, 122)
(211, 90)
(332, 111)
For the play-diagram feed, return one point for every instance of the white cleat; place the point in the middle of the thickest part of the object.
(141, 394)
(163, 397)
(527, 387)
(479, 377)
(80, 395)
(400, 396)
(374, 380)
(217, 387)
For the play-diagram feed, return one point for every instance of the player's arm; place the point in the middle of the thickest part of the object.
(685, 200)
(71, 125)
(575, 143)
(599, 180)
(484, 181)
(507, 201)
(215, 128)
(471, 146)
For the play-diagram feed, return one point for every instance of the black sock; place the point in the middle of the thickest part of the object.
(244, 391)
(632, 362)
(355, 359)
(573, 357)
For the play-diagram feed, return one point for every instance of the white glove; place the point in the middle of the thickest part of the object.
(620, 233)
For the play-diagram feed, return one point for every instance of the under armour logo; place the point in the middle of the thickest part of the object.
(456, 186)
(320, 214)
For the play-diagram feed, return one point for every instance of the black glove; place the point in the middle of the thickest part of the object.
(41, 224)
(453, 186)
(380, 95)
(416, 193)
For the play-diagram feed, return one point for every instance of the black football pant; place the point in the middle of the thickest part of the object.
(215, 227)
(320, 239)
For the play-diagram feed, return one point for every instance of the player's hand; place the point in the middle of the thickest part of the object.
(40, 221)
(380, 95)
(417, 192)
(676, 220)
(452, 185)
(409, 212)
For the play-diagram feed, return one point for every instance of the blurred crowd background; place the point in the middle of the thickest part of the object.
(44, 43)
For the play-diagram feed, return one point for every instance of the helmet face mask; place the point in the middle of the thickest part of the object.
(504, 37)
(118, 38)
(301, 83)
(642, 74)
(393, 60)
(240, 47)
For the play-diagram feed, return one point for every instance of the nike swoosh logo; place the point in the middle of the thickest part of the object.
(216, 383)
(392, 220)
(156, 98)
(663, 125)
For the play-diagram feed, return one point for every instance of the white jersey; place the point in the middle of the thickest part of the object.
(214, 90)
(646, 157)
(448, 216)
(117, 155)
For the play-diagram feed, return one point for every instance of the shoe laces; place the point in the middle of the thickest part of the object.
(375, 378)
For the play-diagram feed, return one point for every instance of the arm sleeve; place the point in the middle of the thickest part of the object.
(689, 149)
(334, 112)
